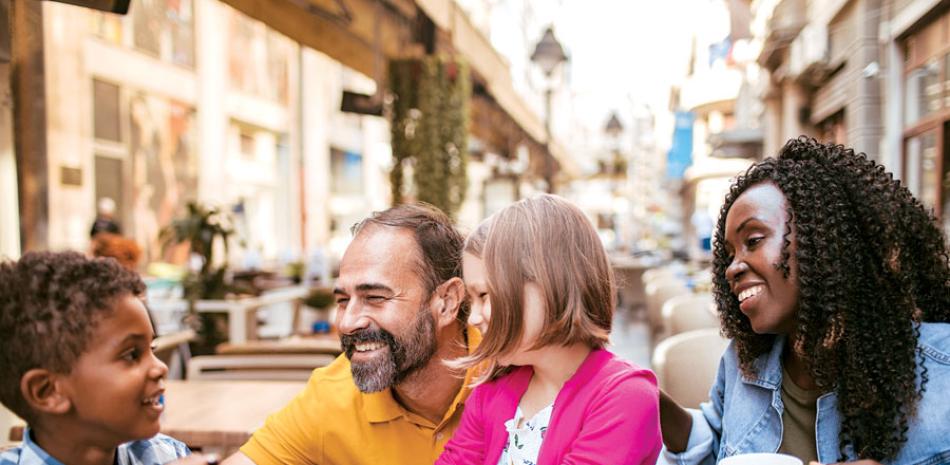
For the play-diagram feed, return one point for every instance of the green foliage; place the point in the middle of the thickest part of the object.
(319, 297)
(200, 228)
(295, 271)
(430, 129)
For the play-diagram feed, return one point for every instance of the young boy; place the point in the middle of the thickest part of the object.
(76, 363)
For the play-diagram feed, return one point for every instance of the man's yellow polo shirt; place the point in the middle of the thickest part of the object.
(332, 423)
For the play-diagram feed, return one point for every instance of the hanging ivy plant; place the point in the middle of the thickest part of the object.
(430, 130)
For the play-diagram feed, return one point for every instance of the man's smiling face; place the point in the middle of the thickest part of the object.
(388, 330)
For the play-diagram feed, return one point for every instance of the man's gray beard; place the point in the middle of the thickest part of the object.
(404, 357)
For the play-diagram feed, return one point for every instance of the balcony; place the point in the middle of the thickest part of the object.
(787, 20)
(737, 143)
(714, 89)
(808, 57)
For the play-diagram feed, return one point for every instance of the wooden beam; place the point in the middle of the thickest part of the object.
(28, 83)
(489, 124)
(343, 29)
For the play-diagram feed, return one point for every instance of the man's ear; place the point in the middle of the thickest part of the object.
(43, 391)
(446, 301)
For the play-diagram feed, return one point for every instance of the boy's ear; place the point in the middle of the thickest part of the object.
(446, 301)
(43, 393)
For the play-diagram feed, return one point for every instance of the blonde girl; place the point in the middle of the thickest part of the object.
(542, 293)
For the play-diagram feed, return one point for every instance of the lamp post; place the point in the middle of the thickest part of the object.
(614, 130)
(548, 54)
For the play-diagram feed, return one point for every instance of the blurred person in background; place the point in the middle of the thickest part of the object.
(123, 249)
(832, 281)
(105, 218)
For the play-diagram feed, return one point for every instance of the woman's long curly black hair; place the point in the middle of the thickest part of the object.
(872, 264)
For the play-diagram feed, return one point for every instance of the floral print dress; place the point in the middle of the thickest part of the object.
(525, 437)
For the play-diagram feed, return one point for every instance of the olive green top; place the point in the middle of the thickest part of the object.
(798, 420)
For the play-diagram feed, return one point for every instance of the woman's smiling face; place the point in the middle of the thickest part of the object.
(755, 235)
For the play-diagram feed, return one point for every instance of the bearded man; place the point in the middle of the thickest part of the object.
(388, 399)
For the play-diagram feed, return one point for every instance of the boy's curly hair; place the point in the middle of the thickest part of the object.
(872, 264)
(50, 302)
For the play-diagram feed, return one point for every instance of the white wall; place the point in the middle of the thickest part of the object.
(7, 420)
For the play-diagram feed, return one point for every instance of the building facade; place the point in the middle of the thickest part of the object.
(193, 101)
(870, 74)
(238, 106)
(718, 96)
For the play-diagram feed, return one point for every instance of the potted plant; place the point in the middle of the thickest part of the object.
(201, 228)
(320, 299)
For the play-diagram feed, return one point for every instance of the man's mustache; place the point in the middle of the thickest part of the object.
(349, 341)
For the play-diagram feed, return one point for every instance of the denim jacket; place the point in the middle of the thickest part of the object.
(744, 415)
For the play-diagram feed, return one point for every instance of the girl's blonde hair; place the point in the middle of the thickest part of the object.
(548, 241)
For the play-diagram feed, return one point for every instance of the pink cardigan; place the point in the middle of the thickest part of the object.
(606, 414)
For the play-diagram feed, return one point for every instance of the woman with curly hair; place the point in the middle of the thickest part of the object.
(833, 283)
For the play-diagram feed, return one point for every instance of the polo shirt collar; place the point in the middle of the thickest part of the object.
(381, 407)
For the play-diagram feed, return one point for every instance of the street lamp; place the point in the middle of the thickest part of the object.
(614, 129)
(548, 54)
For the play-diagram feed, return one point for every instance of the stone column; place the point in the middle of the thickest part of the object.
(317, 97)
(864, 118)
(772, 124)
(793, 99)
(211, 66)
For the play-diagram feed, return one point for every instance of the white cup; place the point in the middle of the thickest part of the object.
(761, 459)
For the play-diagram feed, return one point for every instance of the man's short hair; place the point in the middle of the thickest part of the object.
(440, 244)
(50, 303)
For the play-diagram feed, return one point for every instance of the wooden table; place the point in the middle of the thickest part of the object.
(216, 416)
(310, 344)
(242, 312)
(220, 416)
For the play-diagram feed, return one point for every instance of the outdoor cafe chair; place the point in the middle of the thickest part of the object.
(689, 312)
(686, 365)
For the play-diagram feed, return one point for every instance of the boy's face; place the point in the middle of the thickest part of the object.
(115, 385)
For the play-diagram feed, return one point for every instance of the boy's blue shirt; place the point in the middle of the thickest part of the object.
(155, 451)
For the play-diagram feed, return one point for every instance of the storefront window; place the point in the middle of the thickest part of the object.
(833, 129)
(163, 29)
(109, 182)
(921, 167)
(108, 26)
(259, 62)
(106, 121)
(346, 169)
(923, 92)
(927, 115)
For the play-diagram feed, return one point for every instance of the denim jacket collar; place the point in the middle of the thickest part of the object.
(768, 367)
